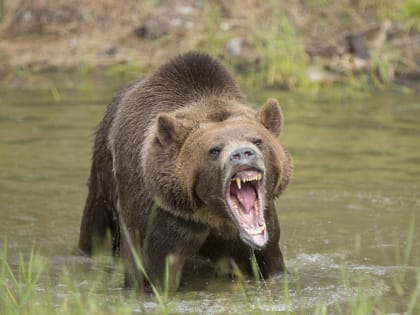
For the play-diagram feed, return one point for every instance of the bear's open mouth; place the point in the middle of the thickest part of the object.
(245, 199)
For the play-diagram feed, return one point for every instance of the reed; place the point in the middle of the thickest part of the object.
(27, 288)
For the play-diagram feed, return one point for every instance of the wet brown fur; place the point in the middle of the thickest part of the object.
(151, 149)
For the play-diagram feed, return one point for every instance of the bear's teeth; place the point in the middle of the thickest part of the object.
(257, 210)
(238, 182)
(235, 205)
(256, 231)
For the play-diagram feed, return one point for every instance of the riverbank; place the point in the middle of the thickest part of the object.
(295, 45)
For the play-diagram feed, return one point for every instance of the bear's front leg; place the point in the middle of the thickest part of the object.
(167, 243)
(270, 260)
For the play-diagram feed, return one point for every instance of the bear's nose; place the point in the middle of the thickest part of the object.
(242, 155)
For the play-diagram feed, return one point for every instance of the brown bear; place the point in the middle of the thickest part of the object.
(183, 167)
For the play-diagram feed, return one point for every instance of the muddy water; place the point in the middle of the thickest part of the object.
(346, 217)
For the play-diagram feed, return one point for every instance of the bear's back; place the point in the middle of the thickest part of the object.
(193, 76)
(182, 80)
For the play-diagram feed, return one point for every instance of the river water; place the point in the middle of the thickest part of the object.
(350, 218)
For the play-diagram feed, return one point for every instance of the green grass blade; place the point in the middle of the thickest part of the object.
(415, 297)
(140, 266)
(410, 239)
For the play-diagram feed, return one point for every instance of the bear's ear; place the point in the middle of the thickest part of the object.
(169, 130)
(271, 116)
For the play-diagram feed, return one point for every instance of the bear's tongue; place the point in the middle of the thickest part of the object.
(247, 196)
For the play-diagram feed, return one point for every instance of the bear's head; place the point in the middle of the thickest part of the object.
(218, 165)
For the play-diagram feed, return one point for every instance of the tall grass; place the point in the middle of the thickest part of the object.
(273, 36)
(364, 303)
(26, 287)
(285, 64)
(18, 287)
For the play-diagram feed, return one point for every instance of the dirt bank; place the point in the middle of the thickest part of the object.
(291, 44)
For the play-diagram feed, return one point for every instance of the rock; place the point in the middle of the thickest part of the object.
(317, 75)
(357, 46)
(152, 28)
(241, 50)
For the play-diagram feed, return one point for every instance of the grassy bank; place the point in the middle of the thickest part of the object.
(295, 45)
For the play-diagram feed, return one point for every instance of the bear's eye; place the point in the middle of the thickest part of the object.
(214, 152)
(258, 143)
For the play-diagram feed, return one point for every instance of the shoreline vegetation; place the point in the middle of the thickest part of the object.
(23, 292)
(303, 46)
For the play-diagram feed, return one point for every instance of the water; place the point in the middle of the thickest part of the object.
(345, 217)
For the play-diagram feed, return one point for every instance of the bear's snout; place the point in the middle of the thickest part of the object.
(242, 156)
